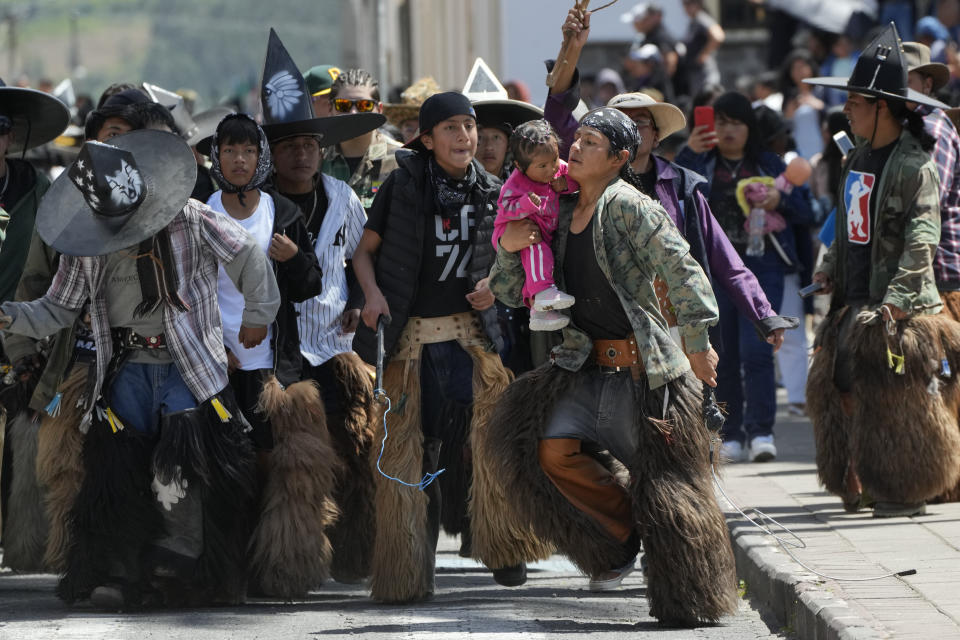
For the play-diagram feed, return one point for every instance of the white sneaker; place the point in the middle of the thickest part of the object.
(762, 449)
(610, 580)
(731, 451)
(551, 299)
(547, 320)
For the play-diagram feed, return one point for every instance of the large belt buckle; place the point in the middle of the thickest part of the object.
(611, 354)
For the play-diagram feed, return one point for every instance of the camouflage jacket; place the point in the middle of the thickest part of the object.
(635, 241)
(905, 235)
(375, 166)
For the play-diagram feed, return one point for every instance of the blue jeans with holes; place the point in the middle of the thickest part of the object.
(746, 382)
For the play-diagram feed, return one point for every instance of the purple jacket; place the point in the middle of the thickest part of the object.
(680, 191)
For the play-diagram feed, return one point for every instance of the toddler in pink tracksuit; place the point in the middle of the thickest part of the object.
(532, 191)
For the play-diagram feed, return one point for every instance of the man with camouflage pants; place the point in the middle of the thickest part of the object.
(619, 384)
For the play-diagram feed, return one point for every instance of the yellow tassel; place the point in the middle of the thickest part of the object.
(114, 421)
(895, 362)
(221, 410)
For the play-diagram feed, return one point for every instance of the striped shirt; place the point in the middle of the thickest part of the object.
(200, 239)
(319, 318)
(946, 155)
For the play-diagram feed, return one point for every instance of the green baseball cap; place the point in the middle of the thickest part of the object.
(320, 79)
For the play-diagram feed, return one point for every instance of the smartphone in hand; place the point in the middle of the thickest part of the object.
(809, 290)
(703, 117)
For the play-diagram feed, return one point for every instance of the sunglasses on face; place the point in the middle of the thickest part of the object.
(343, 105)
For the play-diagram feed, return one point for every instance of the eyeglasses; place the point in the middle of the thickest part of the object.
(645, 122)
(343, 105)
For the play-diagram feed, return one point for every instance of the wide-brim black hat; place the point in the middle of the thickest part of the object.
(168, 170)
(496, 113)
(37, 117)
(329, 130)
(880, 72)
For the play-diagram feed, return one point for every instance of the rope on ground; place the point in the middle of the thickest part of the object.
(785, 543)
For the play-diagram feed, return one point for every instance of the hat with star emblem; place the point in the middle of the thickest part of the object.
(116, 195)
(288, 111)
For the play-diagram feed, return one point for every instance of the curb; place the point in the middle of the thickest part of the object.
(808, 607)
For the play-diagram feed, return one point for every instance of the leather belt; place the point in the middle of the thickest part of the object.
(618, 355)
(128, 339)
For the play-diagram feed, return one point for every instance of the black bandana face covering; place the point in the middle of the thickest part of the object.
(264, 162)
(620, 130)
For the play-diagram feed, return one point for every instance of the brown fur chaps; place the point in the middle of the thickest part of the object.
(691, 577)
(60, 465)
(902, 437)
(289, 549)
(25, 530)
(351, 433)
(404, 554)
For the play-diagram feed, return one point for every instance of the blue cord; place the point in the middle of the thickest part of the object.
(427, 479)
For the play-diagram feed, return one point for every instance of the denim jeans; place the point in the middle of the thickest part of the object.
(142, 393)
(746, 381)
(599, 410)
(446, 377)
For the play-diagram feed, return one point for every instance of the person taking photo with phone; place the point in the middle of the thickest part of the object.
(747, 383)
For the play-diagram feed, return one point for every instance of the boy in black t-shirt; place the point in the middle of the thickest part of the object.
(423, 262)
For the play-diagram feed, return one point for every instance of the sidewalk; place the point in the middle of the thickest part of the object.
(925, 605)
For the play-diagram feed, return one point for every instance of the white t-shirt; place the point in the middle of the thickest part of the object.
(260, 226)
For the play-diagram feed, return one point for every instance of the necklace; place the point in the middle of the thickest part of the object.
(733, 168)
(313, 209)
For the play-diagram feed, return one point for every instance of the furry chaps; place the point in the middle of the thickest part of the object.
(905, 441)
(404, 553)
(25, 529)
(213, 455)
(830, 429)
(114, 514)
(691, 576)
(60, 465)
(289, 549)
(351, 433)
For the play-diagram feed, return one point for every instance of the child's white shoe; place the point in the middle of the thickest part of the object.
(547, 320)
(551, 299)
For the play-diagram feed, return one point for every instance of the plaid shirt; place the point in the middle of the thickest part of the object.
(946, 155)
(201, 239)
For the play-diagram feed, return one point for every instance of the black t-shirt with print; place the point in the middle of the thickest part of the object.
(448, 235)
(447, 249)
(598, 311)
(723, 198)
(860, 207)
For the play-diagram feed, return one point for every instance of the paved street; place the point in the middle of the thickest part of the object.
(554, 602)
(847, 546)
